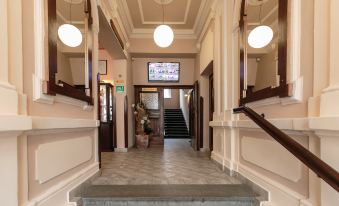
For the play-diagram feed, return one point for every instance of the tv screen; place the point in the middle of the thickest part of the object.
(163, 71)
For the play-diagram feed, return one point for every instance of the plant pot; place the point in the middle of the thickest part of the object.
(142, 141)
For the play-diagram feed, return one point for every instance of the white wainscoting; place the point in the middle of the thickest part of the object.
(55, 158)
(272, 157)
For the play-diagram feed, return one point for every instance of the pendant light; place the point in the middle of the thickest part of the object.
(68, 33)
(163, 35)
(261, 35)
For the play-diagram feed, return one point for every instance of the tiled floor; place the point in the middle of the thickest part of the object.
(175, 163)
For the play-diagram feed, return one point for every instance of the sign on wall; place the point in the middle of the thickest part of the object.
(120, 89)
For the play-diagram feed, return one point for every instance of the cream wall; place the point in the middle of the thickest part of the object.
(139, 67)
(146, 46)
(203, 58)
(37, 129)
(174, 101)
(184, 105)
(240, 146)
(120, 70)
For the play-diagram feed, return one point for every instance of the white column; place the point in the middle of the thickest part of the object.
(9, 96)
(329, 142)
(330, 97)
(3, 43)
(9, 170)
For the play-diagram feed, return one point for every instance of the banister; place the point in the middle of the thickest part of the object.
(319, 167)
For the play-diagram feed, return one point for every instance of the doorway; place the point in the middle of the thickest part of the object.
(153, 96)
(211, 109)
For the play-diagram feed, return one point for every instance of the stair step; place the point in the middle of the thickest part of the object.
(174, 195)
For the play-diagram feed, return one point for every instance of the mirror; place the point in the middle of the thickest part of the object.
(263, 68)
(69, 58)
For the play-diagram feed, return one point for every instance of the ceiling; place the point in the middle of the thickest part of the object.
(186, 17)
(77, 14)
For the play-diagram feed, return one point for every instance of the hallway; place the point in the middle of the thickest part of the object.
(175, 163)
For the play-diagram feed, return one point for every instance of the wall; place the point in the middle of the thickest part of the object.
(41, 129)
(174, 101)
(64, 69)
(120, 70)
(207, 48)
(140, 76)
(252, 71)
(203, 59)
(240, 146)
(266, 71)
(140, 47)
(184, 105)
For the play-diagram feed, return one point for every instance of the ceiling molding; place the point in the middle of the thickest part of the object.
(178, 34)
(204, 12)
(61, 16)
(188, 4)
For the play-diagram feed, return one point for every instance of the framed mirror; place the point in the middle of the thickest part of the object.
(69, 49)
(263, 50)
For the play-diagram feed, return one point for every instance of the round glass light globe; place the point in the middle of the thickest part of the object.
(260, 36)
(163, 36)
(70, 35)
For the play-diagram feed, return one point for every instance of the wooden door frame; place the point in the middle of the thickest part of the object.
(211, 108)
(126, 120)
(136, 90)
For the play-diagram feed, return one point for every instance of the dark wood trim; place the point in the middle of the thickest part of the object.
(201, 122)
(319, 167)
(211, 109)
(115, 30)
(98, 116)
(126, 120)
(282, 89)
(114, 119)
(196, 111)
(167, 86)
(68, 90)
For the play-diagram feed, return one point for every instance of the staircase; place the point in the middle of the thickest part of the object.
(169, 195)
(175, 125)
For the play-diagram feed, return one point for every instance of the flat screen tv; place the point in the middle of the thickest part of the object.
(163, 71)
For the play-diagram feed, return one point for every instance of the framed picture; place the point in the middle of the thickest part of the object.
(103, 67)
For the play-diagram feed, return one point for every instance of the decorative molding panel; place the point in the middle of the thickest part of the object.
(270, 156)
(55, 158)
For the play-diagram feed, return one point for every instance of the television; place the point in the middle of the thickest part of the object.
(163, 71)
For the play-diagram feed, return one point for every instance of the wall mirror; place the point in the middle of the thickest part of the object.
(69, 48)
(263, 50)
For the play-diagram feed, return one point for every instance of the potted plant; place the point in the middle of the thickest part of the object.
(143, 129)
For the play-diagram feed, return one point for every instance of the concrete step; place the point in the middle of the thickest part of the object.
(169, 195)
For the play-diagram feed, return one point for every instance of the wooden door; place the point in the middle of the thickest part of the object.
(194, 106)
(211, 109)
(106, 139)
(153, 98)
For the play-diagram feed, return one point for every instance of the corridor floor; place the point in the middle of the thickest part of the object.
(175, 163)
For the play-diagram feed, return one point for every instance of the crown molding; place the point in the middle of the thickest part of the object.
(132, 32)
(148, 33)
(165, 22)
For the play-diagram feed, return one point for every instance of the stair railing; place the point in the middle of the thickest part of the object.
(319, 167)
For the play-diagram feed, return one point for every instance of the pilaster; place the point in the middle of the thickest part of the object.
(329, 100)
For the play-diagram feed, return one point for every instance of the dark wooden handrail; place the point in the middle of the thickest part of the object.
(319, 167)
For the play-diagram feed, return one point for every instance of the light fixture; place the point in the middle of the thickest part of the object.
(68, 33)
(163, 35)
(261, 35)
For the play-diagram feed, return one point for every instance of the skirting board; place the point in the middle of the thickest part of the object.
(120, 149)
(60, 192)
(256, 188)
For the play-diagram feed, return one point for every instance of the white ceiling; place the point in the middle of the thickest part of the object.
(186, 17)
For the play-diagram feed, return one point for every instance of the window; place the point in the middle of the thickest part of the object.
(167, 93)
